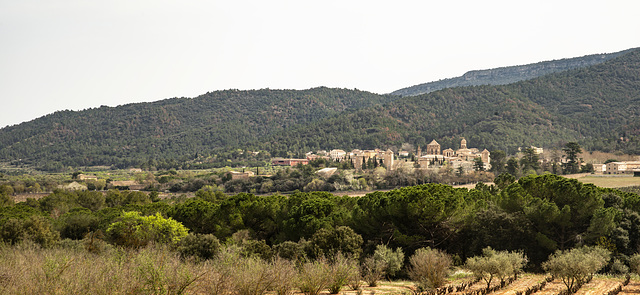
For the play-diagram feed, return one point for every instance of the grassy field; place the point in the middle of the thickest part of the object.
(604, 181)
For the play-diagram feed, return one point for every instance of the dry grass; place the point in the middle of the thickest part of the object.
(28, 269)
(600, 157)
(611, 182)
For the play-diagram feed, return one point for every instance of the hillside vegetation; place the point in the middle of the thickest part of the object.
(508, 75)
(177, 129)
(596, 106)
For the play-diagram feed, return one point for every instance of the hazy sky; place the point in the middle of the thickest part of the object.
(77, 54)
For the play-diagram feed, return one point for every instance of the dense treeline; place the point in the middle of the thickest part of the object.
(537, 214)
(597, 107)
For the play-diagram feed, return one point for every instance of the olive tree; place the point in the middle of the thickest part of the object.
(575, 266)
(634, 263)
(496, 264)
(393, 260)
(372, 271)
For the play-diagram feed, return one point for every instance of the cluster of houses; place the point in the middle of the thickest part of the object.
(433, 157)
(358, 157)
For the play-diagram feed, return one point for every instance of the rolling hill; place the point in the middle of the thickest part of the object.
(598, 106)
(177, 128)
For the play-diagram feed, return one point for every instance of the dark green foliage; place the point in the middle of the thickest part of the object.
(257, 248)
(59, 202)
(498, 161)
(548, 111)
(330, 242)
(136, 198)
(196, 215)
(529, 161)
(167, 133)
(513, 167)
(77, 223)
(571, 150)
(290, 250)
(6, 189)
(93, 201)
(202, 246)
(503, 180)
(40, 230)
(5, 200)
(12, 231)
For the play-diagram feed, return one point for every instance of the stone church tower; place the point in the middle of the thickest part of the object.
(484, 155)
(463, 144)
(433, 148)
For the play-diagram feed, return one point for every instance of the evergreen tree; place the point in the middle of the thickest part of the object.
(571, 150)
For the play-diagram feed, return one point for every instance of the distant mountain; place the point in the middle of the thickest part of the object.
(597, 106)
(508, 75)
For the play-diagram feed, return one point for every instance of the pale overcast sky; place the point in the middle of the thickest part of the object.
(77, 54)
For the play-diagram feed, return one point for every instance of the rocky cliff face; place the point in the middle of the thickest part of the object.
(507, 75)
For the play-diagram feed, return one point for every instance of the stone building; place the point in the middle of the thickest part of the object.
(360, 157)
(628, 167)
(435, 158)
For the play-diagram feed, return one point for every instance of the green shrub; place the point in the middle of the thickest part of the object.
(202, 246)
(392, 260)
(134, 231)
(290, 250)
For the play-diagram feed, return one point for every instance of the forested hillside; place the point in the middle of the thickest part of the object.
(596, 106)
(177, 129)
(508, 75)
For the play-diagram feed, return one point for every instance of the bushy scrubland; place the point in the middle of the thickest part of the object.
(397, 234)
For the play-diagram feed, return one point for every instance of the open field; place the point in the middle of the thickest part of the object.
(610, 182)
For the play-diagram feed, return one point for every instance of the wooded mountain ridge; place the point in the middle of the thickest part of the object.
(597, 106)
(508, 75)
